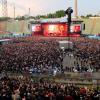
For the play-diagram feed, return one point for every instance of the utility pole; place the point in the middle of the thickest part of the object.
(14, 11)
(29, 12)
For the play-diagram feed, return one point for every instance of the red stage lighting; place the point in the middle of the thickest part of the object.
(36, 28)
(77, 28)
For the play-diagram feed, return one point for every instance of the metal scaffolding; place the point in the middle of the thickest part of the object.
(4, 8)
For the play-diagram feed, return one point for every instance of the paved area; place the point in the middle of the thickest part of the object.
(68, 60)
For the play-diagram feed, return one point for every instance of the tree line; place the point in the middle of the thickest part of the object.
(4, 18)
(57, 14)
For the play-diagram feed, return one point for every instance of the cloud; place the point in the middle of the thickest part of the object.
(36, 6)
(49, 6)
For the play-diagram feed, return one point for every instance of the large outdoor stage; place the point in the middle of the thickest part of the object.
(56, 28)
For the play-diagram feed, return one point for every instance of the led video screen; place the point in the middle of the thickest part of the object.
(36, 27)
(55, 29)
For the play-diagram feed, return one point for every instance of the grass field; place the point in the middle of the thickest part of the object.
(92, 26)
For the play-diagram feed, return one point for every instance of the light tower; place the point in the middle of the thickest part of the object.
(29, 12)
(14, 11)
(4, 13)
(4, 8)
(75, 9)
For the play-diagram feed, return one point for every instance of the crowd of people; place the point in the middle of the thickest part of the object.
(33, 56)
(39, 56)
(87, 52)
(43, 55)
(26, 89)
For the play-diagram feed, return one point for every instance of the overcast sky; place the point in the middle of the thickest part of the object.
(47, 6)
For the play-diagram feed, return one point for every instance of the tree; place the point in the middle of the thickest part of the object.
(50, 15)
(60, 13)
(82, 16)
(57, 14)
(20, 18)
(89, 15)
(4, 18)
